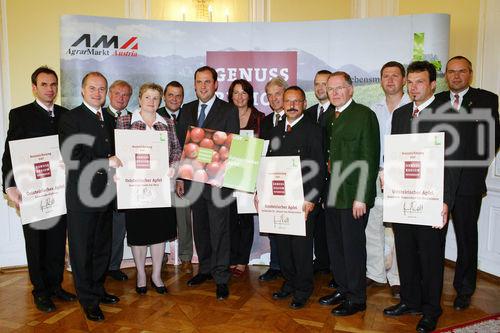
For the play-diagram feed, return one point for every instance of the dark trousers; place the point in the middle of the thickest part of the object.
(118, 237)
(211, 237)
(45, 243)
(465, 215)
(322, 259)
(347, 248)
(420, 258)
(274, 261)
(241, 226)
(295, 254)
(89, 235)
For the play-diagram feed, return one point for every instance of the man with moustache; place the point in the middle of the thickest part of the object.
(173, 96)
(392, 81)
(472, 186)
(45, 240)
(353, 153)
(298, 136)
(420, 248)
(119, 95)
(87, 148)
(210, 219)
(275, 89)
(318, 113)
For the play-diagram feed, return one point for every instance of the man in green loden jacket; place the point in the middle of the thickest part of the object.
(353, 158)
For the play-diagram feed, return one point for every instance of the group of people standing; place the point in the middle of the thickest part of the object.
(345, 232)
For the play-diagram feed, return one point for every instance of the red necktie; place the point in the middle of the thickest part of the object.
(456, 102)
(288, 128)
(337, 114)
(415, 113)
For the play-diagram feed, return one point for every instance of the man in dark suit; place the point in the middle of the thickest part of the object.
(119, 95)
(353, 153)
(298, 136)
(420, 248)
(319, 113)
(472, 187)
(87, 148)
(45, 240)
(210, 213)
(275, 89)
(173, 95)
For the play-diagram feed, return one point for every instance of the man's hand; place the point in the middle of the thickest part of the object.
(307, 208)
(14, 195)
(444, 215)
(381, 176)
(179, 188)
(358, 209)
(114, 162)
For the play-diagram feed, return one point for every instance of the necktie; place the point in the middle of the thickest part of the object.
(288, 128)
(51, 113)
(201, 118)
(415, 113)
(337, 114)
(276, 119)
(174, 117)
(456, 102)
(99, 115)
(118, 113)
(320, 115)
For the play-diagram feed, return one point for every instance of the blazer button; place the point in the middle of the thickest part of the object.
(298, 150)
(106, 140)
(109, 155)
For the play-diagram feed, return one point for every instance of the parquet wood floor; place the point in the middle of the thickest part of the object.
(250, 308)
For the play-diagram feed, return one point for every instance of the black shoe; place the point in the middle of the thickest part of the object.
(159, 289)
(141, 290)
(199, 279)
(333, 284)
(297, 304)
(222, 291)
(63, 295)
(426, 324)
(280, 294)
(118, 275)
(93, 313)
(461, 302)
(270, 274)
(400, 309)
(109, 299)
(348, 308)
(44, 303)
(332, 299)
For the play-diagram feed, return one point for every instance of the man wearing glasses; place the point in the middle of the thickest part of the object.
(353, 148)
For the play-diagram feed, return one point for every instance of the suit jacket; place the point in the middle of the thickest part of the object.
(108, 111)
(402, 124)
(83, 121)
(25, 122)
(267, 125)
(312, 114)
(472, 179)
(304, 140)
(353, 137)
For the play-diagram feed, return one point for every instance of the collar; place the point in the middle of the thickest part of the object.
(424, 104)
(136, 116)
(325, 106)
(209, 104)
(176, 113)
(92, 108)
(345, 106)
(294, 122)
(115, 111)
(43, 106)
(460, 94)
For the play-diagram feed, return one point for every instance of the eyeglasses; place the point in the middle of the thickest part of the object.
(335, 89)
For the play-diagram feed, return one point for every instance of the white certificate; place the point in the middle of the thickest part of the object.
(281, 196)
(40, 177)
(414, 178)
(143, 181)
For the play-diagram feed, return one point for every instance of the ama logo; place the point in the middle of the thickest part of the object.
(104, 45)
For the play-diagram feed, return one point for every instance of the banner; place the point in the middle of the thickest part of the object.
(140, 51)
(39, 173)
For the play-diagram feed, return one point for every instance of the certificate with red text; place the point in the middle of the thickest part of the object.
(39, 174)
(414, 178)
(281, 196)
(144, 179)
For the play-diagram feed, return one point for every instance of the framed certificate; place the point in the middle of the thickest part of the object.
(414, 178)
(281, 196)
(144, 179)
(39, 173)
